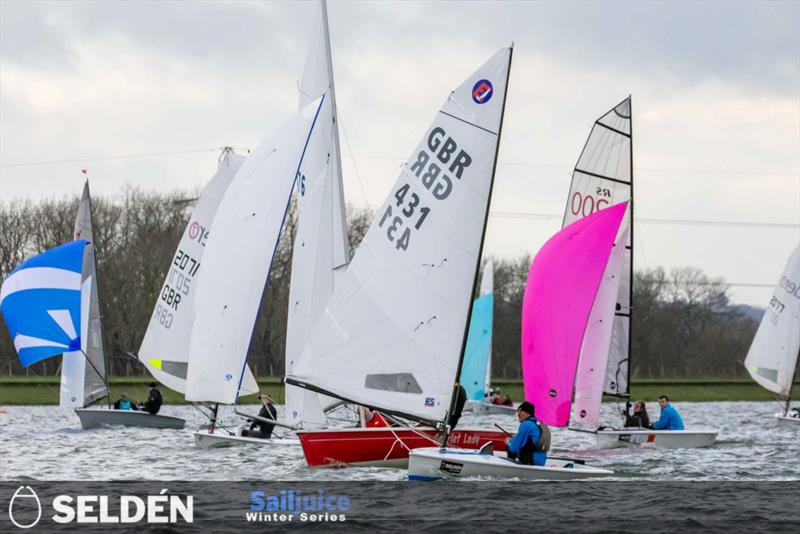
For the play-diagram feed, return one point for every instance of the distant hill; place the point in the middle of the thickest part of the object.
(751, 311)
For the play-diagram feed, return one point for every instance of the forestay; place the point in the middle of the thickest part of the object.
(239, 254)
(603, 176)
(593, 359)
(165, 347)
(41, 303)
(772, 357)
(391, 336)
(83, 372)
(562, 284)
(320, 254)
(476, 370)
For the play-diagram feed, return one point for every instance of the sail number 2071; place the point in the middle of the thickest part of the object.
(398, 225)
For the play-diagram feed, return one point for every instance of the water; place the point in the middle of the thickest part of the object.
(47, 443)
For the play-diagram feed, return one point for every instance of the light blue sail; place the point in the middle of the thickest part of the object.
(479, 347)
(41, 303)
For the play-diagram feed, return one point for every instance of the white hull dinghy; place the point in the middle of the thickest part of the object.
(96, 417)
(434, 463)
(787, 418)
(487, 408)
(667, 439)
(221, 439)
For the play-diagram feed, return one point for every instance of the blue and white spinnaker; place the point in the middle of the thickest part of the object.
(41, 303)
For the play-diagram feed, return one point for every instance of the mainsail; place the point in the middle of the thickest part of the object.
(239, 254)
(604, 176)
(43, 303)
(320, 253)
(165, 347)
(392, 335)
(562, 286)
(83, 372)
(772, 358)
(476, 370)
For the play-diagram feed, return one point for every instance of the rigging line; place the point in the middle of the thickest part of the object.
(109, 158)
(678, 222)
(352, 158)
(639, 169)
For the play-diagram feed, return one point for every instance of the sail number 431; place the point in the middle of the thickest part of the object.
(412, 215)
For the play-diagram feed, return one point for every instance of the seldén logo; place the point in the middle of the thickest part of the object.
(25, 508)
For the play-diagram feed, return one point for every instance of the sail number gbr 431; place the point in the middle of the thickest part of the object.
(434, 170)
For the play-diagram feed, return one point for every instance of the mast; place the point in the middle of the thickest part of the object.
(630, 287)
(339, 197)
(104, 376)
(456, 383)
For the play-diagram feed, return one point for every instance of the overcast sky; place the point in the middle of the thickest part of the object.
(715, 85)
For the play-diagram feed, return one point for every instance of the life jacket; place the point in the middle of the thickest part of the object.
(124, 405)
(544, 440)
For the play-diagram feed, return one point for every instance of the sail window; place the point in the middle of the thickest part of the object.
(400, 382)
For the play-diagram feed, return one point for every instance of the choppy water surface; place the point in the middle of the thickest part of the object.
(47, 443)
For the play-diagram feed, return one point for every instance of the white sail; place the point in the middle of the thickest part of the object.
(593, 360)
(83, 374)
(487, 288)
(239, 254)
(772, 358)
(165, 347)
(320, 253)
(603, 177)
(391, 336)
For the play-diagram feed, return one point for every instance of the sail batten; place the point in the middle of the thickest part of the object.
(392, 335)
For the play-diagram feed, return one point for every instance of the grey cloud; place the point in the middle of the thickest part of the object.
(753, 46)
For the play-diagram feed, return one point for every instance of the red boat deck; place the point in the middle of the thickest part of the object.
(385, 446)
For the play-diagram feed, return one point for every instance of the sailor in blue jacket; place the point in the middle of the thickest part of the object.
(669, 419)
(530, 444)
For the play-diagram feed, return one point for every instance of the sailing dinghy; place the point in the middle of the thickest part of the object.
(320, 253)
(562, 284)
(604, 176)
(772, 358)
(47, 303)
(476, 374)
(238, 256)
(392, 335)
(84, 379)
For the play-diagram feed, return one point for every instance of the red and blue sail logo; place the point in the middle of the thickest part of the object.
(482, 91)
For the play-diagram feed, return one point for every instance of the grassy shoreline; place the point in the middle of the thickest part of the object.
(27, 390)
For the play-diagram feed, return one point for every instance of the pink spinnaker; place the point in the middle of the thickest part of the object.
(561, 288)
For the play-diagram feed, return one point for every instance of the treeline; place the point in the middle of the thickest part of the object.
(683, 326)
